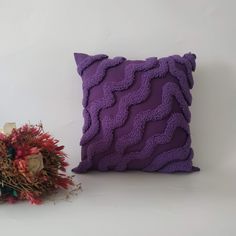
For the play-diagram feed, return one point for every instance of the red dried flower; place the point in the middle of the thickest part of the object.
(36, 162)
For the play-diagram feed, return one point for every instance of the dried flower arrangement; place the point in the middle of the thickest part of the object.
(32, 165)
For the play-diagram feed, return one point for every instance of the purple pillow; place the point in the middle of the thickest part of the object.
(136, 113)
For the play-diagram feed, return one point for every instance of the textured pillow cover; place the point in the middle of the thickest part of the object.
(136, 113)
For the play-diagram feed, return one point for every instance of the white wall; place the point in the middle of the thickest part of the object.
(38, 78)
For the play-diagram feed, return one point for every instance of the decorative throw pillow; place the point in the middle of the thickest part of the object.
(136, 113)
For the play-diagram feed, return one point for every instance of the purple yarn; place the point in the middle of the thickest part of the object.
(121, 160)
(109, 99)
(96, 80)
(180, 166)
(119, 107)
(182, 77)
(165, 158)
(87, 61)
(170, 91)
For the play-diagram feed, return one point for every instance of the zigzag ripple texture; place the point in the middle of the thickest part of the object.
(178, 159)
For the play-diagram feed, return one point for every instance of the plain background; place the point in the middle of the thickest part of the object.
(39, 82)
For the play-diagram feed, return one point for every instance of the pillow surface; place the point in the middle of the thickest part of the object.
(136, 113)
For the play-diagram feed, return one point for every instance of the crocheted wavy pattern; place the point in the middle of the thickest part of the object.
(102, 148)
(121, 161)
(170, 91)
(97, 79)
(108, 89)
(88, 61)
(133, 98)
